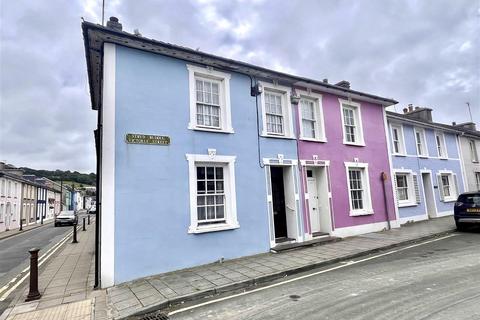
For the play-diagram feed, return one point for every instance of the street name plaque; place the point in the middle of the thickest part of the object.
(136, 138)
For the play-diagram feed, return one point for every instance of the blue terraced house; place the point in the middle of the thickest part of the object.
(426, 164)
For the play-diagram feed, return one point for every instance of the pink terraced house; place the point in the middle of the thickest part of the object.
(344, 162)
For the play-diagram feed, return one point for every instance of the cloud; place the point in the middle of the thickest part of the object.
(420, 52)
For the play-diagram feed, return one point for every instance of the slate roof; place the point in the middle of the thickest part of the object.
(96, 35)
(433, 125)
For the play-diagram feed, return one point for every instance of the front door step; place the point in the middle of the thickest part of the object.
(315, 242)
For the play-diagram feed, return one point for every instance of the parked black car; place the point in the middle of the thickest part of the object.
(467, 209)
(69, 218)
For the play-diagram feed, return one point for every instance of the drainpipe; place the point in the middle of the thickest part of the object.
(295, 100)
(384, 178)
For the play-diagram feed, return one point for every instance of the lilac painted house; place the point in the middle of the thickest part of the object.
(345, 170)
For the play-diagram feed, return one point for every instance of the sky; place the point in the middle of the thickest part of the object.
(426, 53)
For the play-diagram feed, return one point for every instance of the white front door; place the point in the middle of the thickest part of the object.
(313, 204)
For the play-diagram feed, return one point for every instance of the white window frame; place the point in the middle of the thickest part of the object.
(442, 147)
(473, 150)
(223, 79)
(285, 92)
(319, 119)
(477, 180)
(367, 202)
(411, 201)
(357, 113)
(401, 139)
(452, 183)
(230, 212)
(423, 142)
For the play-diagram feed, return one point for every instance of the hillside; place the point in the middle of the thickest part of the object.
(69, 177)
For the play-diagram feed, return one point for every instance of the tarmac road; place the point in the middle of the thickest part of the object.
(436, 280)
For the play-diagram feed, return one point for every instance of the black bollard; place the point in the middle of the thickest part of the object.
(33, 293)
(84, 224)
(21, 225)
(74, 233)
(88, 219)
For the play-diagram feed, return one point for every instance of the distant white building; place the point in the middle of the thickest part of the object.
(10, 200)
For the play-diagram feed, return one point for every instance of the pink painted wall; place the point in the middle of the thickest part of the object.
(375, 153)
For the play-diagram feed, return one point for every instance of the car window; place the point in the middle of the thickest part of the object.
(470, 199)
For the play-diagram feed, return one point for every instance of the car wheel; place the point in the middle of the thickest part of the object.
(461, 226)
(55, 225)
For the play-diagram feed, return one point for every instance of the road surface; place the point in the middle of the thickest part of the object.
(436, 280)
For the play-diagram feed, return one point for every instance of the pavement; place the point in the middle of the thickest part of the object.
(66, 283)
(174, 288)
(437, 279)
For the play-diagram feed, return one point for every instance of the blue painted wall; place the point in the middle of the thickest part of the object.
(152, 204)
(433, 163)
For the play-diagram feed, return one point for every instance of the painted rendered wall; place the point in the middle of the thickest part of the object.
(469, 166)
(152, 209)
(375, 153)
(412, 162)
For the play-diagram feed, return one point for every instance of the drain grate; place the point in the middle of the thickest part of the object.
(157, 315)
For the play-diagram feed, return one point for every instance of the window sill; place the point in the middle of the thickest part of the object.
(267, 135)
(213, 228)
(423, 156)
(361, 213)
(211, 129)
(399, 154)
(450, 199)
(443, 158)
(313, 140)
(359, 144)
(407, 204)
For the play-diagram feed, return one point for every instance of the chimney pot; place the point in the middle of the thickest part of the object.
(454, 123)
(410, 108)
(325, 80)
(405, 110)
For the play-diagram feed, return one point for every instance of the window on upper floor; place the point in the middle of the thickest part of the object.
(312, 125)
(406, 185)
(209, 100)
(212, 193)
(398, 141)
(421, 142)
(477, 180)
(9, 188)
(277, 111)
(448, 186)
(473, 150)
(352, 123)
(358, 188)
(2, 212)
(441, 146)
(3, 188)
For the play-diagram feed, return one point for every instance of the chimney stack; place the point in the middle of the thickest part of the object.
(325, 80)
(114, 24)
(420, 113)
(467, 125)
(343, 84)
